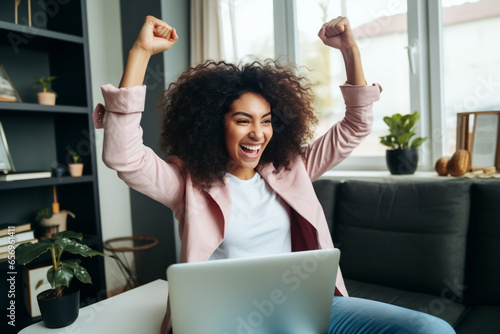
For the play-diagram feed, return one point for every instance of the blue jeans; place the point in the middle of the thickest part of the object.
(362, 316)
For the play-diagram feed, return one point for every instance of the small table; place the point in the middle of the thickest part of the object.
(140, 310)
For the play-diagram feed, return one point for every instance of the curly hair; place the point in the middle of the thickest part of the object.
(194, 106)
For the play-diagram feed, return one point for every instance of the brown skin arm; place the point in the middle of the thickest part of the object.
(338, 34)
(154, 37)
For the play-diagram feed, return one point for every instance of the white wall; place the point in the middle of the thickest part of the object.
(106, 66)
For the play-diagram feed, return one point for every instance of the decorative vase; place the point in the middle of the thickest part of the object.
(47, 98)
(400, 162)
(59, 312)
(76, 170)
(59, 171)
(58, 220)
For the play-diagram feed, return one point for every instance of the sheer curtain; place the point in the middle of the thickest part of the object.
(206, 31)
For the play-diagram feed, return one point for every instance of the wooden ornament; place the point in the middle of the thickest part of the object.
(441, 166)
(460, 163)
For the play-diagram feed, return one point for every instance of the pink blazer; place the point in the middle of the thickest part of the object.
(202, 215)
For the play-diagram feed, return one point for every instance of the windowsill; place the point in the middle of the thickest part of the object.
(423, 175)
(383, 174)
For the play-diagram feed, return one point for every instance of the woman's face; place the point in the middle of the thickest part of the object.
(248, 130)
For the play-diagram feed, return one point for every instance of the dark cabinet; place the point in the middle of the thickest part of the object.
(40, 136)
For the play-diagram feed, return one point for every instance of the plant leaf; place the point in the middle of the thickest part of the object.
(403, 139)
(73, 247)
(63, 276)
(79, 271)
(414, 117)
(417, 142)
(396, 117)
(28, 251)
(68, 234)
(50, 277)
(71, 263)
(82, 274)
(388, 121)
(387, 141)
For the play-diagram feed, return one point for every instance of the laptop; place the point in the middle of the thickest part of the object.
(289, 293)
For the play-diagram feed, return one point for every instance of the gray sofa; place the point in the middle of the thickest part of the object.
(431, 245)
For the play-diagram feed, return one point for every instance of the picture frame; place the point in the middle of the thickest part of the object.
(8, 92)
(479, 133)
(6, 164)
(34, 282)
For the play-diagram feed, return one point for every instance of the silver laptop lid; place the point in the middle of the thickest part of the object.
(289, 293)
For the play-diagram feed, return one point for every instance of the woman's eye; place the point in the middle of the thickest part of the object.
(242, 121)
(267, 121)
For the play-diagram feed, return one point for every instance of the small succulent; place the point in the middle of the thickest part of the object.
(45, 83)
(74, 156)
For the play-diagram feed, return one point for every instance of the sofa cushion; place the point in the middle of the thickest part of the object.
(328, 191)
(483, 270)
(480, 319)
(407, 234)
(444, 307)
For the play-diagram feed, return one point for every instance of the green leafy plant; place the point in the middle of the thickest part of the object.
(43, 213)
(401, 130)
(74, 156)
(45, 83)
(62, 271)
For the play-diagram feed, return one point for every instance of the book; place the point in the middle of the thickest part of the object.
(7, 98)
(23, 236)
(16, 176)
(4, 228)
(5, 248)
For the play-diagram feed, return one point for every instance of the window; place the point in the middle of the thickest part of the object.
(471, 55)
(381, 33)
(436, 56)
(248, 29)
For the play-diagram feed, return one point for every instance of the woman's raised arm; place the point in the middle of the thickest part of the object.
(338, 34)
(155, 36)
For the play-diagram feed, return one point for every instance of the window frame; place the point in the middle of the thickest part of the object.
(426, 82)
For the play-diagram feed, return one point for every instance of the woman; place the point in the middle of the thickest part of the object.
(238, 173)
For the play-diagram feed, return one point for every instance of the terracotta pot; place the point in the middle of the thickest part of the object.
(47, 98)
(76, 170)
(57, 313)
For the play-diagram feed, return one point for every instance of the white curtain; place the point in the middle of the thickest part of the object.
(206, 31)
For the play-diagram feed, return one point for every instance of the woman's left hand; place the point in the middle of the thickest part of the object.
(338, 34)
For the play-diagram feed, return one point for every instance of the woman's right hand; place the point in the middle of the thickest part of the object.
(155, 36)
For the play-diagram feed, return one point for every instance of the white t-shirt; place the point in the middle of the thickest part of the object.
(259, 223)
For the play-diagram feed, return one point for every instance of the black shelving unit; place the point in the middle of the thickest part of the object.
(39, 136)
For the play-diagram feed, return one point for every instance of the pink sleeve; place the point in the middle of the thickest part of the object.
(340, 140)
(124, 151)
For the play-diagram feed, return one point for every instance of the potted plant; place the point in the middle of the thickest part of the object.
(53, 221)
(75, 168)
(59, 305)
(402, 157)
(47, 96)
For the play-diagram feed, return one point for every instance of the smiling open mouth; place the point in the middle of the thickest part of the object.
(250, 151)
